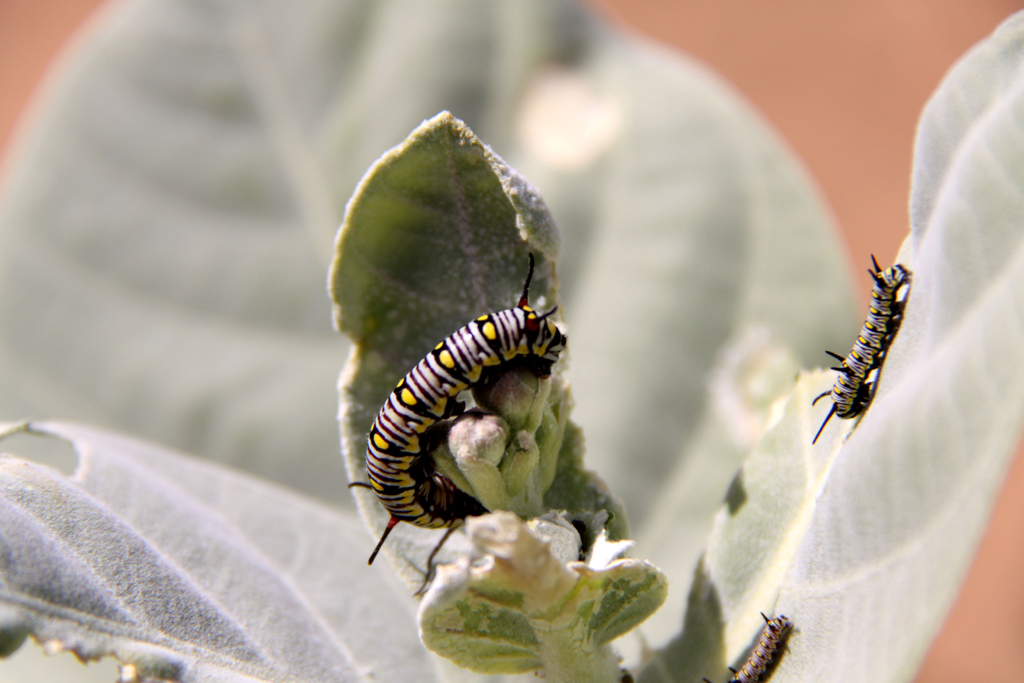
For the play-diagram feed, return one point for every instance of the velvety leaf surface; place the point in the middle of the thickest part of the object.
(431, 241)
(522, 602)
(864, 542)
(190, 572)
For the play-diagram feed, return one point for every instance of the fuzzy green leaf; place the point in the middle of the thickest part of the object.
(864, 542)
(431, 240)
(189, 572)
(516, 604)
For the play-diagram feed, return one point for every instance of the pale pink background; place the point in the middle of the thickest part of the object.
(844, 82)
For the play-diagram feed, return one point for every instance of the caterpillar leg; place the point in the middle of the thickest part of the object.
(827, 418)
(840, 369)
(430, 560)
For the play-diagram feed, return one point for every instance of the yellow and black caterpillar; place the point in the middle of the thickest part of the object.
(401, 471)
(854, 389)
(775, 632)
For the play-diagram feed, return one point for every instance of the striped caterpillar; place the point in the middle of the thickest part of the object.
(764, 654)
(853, 390)
(401, 470)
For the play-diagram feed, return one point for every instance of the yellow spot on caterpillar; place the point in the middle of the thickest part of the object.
(492, 360)
(489, 331)
(380, 442)
(446, 359)
(413, 444)
(474, 374)
(483, 318)
(522, 350)
(439, 346)
(439, 407)
(407, 398)
(509, 354)
(528, 310)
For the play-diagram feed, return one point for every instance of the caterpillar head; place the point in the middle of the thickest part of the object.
(545, 339)
(546, 342)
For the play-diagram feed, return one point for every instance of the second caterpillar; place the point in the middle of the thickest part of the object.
(858, 375)
(765, 654)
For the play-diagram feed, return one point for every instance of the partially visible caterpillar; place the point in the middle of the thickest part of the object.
(774, 634)
(401, 471)
(853, 390)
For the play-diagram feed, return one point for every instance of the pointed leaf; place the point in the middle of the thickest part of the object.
(431, 240)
